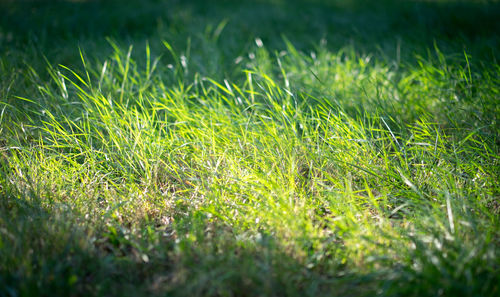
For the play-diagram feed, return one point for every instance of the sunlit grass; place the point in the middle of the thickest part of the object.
(302, 173)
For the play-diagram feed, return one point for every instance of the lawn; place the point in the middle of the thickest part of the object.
(249, 148)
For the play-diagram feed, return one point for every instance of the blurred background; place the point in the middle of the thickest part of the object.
(392, 29)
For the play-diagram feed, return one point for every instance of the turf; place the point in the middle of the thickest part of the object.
(249, 148)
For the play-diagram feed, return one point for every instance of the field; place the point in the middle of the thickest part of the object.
(249, 148)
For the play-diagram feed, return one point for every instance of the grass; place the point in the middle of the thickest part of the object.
(258, 148)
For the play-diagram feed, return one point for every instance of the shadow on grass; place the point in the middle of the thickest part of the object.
(51, 253)
(47, 252)
(55, 26)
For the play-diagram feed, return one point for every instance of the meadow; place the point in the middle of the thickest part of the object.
(249, 148)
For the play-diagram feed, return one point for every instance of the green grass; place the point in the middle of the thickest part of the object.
(261, 148)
